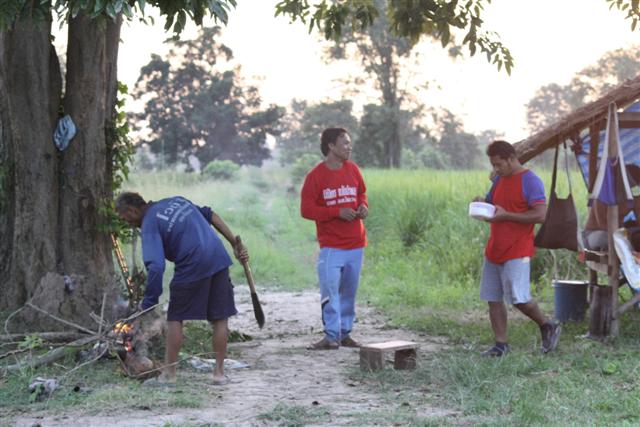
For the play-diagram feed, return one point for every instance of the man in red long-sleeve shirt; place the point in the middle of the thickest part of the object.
(334, 196)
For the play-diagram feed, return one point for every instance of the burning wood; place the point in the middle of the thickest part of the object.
(131, 339)
(136, 340)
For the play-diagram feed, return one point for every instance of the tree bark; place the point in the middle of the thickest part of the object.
(51, 211)
(30, 86)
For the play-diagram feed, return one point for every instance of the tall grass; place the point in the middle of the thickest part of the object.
(422, 267)
(261, 207)
(424, 251)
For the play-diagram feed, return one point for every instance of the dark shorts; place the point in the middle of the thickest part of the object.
(208, 299)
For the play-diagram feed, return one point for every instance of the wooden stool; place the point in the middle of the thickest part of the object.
(372, 355)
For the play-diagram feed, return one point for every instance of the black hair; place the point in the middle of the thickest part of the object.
(502, 149)
(129, 199)
(330, 136)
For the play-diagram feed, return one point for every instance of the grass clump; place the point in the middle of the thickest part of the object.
(295, 415)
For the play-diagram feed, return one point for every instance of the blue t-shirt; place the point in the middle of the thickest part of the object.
(176, 229)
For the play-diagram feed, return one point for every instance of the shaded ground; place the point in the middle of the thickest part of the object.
(284, 382)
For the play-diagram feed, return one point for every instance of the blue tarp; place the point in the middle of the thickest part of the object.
(629, 141)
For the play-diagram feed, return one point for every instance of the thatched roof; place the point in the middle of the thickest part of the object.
(591, 114)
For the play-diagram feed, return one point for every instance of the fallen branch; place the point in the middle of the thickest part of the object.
(45, 336)
(207, 353)
(6, 322)
(66, 322)
(104, 299)
(98, 357)
(63, 351)
(13, 352)
(136, 315)
(96, 319)
(53, 355)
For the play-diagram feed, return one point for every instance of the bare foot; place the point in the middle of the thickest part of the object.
(220, 379)
(167, 378)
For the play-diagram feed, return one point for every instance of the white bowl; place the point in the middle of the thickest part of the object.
(481, 210)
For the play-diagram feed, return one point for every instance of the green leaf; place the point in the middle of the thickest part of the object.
(610, 368)
(111, 11)
(98, 7)
(169, 23)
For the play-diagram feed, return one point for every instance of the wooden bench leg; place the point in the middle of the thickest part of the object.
(371, 360)
(405, 359)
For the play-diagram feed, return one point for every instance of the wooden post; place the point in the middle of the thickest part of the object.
(593, 282)
(600, 313)
(594, 142)
(612, 222)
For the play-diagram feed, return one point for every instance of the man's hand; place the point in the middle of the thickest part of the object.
(500, 215)
(348, 214)
(362, 211)
(240, 252)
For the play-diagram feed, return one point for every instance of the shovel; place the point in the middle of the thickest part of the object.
(257, 308)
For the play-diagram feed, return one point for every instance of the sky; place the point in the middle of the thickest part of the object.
(551, 40)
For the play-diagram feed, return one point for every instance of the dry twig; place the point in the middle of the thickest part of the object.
(66, 322)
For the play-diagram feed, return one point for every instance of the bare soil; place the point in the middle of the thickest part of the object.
(281, 371)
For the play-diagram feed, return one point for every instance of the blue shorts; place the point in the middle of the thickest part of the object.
(507, 282)
(210, 299)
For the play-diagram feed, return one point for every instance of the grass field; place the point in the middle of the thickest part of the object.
(422, 268)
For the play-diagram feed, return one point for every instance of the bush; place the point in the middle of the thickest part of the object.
(302, 166)
(221, 169)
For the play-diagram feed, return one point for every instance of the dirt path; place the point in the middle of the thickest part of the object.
(281, 372)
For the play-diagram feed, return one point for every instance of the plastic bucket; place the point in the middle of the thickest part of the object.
(570, 299)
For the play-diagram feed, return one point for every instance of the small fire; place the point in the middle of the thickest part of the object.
(122, 328)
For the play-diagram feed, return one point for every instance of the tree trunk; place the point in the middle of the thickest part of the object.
(54, 199)
(30, 86)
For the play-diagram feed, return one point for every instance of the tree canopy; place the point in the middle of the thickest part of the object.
(407, 19)
(553, 101)
(305, 122)
(197, 103)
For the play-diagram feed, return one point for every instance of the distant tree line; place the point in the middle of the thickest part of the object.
(197, 105)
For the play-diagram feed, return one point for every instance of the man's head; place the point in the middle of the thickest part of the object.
(503, 158)
(336, 142)
(130, 207)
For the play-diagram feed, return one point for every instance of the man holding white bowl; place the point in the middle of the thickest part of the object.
(519, 200)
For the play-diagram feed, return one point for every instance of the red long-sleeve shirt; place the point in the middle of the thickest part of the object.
(324, 193)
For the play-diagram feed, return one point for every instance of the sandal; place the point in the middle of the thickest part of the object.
(324, 344)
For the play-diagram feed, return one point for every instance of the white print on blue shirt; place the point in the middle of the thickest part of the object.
(174, 212)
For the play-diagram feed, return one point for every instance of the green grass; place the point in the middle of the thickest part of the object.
(422, 268)
(259, 207)
(583, 383)
(296, 416)
(103, 390)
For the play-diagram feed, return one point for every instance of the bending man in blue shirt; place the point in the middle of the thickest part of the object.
(179, 231)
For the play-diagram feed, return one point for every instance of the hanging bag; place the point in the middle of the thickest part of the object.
(560, 227)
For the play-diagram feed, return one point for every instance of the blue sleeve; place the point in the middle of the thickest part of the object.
(206, 212)
(153, 257)
(533, 189)
(489, 197)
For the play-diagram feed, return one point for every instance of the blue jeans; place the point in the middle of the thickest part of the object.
(339, 275)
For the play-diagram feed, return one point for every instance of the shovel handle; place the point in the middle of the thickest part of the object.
(247, 271)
